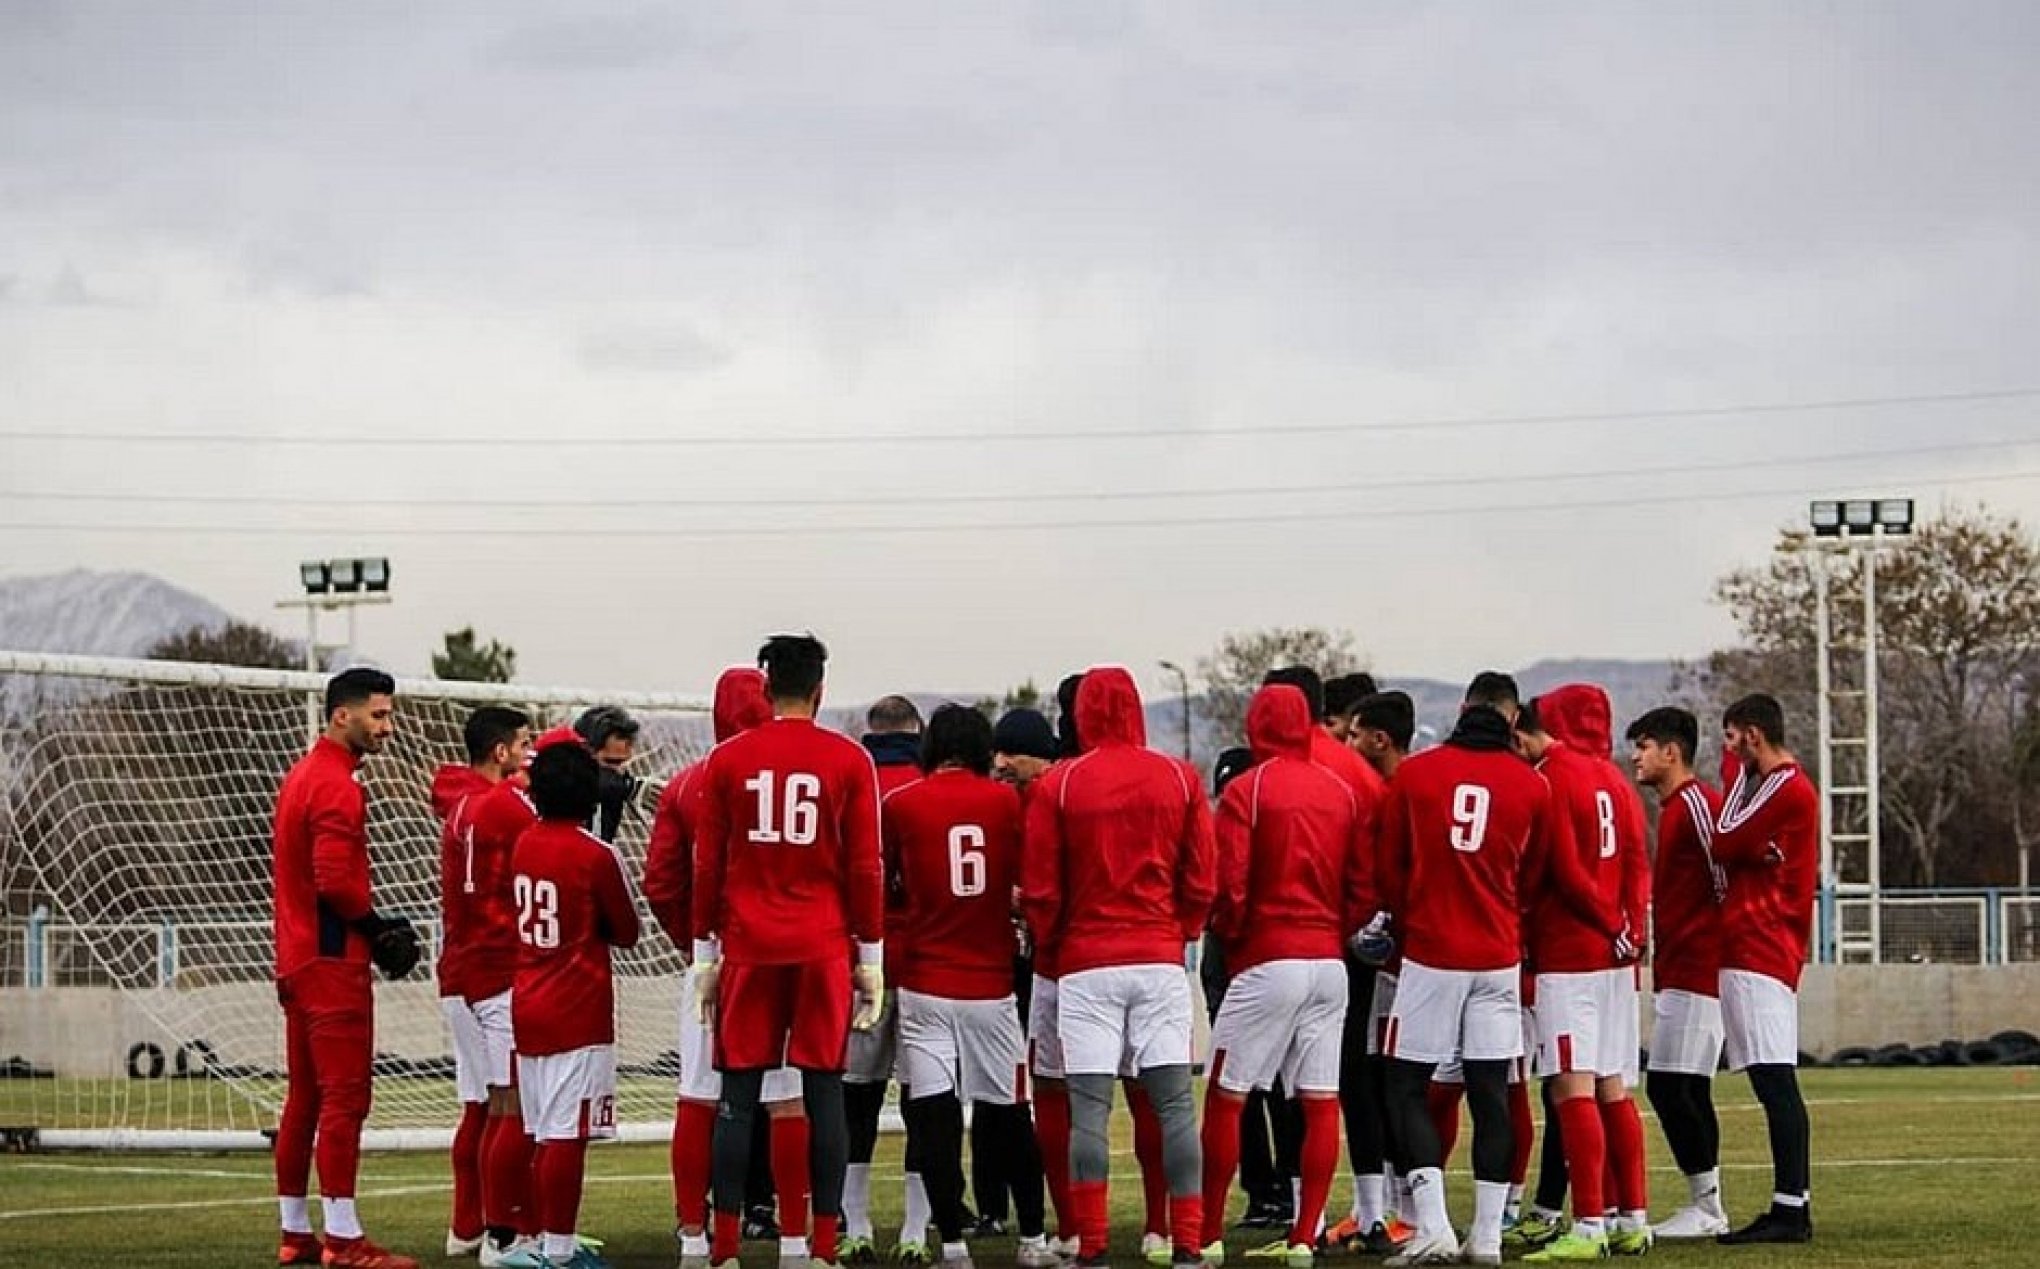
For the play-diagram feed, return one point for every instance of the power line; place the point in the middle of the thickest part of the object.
(1340, 515)
(585, 506)
(1019, 435)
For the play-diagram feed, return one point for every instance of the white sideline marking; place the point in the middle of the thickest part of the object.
(156, 1172)
(264, 1200)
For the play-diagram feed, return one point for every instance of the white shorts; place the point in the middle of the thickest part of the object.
(699, 1080)
(971, 1047)
(1281, 1020)
(1685, 1034)
(1439, 1014)
(1759, 1020)
(569, 1096)
(873, 1056)
(1586, 1024)
(482, 1046)
(1044, 1037)
(1124, 1019)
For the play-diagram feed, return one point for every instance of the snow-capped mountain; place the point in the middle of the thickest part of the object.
(98, 614)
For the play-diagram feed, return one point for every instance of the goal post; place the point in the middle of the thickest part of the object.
(137, 996)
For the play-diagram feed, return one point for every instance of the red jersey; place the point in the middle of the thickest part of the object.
(786, 856)
(454, 788)
(953, 840)
(740, 704)
(1120, 866)
(1686, 888)
(1045, 965)
(495, 822)
(897, 755)
(1291, 837)
(321, 860)
(1768, 841)
(573, 905)
(1463, 839)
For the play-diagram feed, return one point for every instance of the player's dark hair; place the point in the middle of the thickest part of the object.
(1529, 719)
(1493, 689)
(1231, 765)
(793, 666)
(958, 734)
(566, 783)
(892, 713)
(353, 687)
(1305, 680)
(599, 724)
(1066, 736)
(1391, 712)
(489, 726)
(1760, 711)
(1344, 693)
(1668, 725)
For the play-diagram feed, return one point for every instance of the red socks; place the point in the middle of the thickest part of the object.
(1147, 1149)
(1052, 1130)
(467, 1170)
(790, 1173)
(1319, 1160)
(1221, 1140)
(506, 1176)
(729, 1236)
(1623, 1124)
(1586, 1154)
(822, 1246)
(558, 1167)
(1094, 1222)
(693, 1159)
(1524, 1132)
(1442, 1101)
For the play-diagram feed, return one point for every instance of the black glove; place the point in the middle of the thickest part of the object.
(393, 945)
(616, 789)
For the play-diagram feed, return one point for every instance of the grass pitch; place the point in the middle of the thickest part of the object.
(1921, 1168)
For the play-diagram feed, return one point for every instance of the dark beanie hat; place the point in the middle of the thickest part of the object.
(1025, 732)
(1233, 762)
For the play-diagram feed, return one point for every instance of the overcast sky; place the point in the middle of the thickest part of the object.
(1125, 325)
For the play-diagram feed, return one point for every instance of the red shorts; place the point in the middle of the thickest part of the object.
(791, 1015)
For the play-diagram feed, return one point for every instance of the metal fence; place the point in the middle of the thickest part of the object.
(1929, 927)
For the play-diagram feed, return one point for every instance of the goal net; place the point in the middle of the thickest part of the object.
(137, 1001)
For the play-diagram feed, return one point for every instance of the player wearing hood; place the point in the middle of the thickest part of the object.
(740, 704)
(1118, 876)
(1586, 925)
(1292, 844)
(497, 740)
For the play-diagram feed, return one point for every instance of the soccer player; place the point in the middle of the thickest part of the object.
(740, 704)
(1586, 922)
(1044, 1033)
(1686, 890)
(574, 904)
(1768, 841)
(786, 873)
(611, 735)
(953, 840)
(498, 740)
(892, 736)
(1292, 856)
(1342, 700)
(1119, 872)
(326, 924)
(1462, 843)
(1383, 724)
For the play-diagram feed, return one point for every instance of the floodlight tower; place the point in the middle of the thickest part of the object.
(330, 585)
(1850, 861)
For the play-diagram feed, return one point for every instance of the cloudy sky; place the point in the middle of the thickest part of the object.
(993, 340)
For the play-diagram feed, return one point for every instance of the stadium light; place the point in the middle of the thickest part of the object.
(346, 576)
(375, 575)
(1826, 518)
(316, 579)
(1859, 515)
(1895, 515)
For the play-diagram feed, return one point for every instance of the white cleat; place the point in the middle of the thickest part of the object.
(1443, 1249)
(458, 1247)
(519, 1252)
(1692, 1223)
(1037, 1253)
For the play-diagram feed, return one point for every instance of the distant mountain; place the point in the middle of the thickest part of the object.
(98, 614)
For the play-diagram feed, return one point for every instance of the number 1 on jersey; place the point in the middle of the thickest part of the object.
(1469, 817)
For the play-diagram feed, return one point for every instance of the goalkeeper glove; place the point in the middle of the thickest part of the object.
(1626, 948)
(1372, 944)
(869, 980)
(393, 945)
(707, 977)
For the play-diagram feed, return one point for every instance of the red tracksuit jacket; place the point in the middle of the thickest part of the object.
(740, 705)
(456, 791)
(1768, 840)
(1589, 894)
(1686, 891)
(321, 860)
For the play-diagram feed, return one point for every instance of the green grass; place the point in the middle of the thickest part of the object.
(1920, 1168)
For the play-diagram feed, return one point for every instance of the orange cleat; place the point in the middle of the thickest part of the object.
(1400, 1231)
(299, 1249)
(359, 1253)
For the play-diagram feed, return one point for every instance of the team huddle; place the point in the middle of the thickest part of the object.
(1005, 920)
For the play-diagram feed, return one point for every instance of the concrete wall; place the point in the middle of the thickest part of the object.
(87, 1031)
